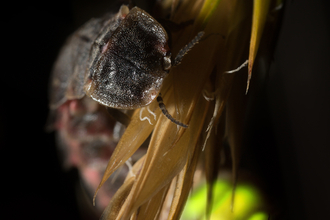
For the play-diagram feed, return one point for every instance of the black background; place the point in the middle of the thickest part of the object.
(290, 127)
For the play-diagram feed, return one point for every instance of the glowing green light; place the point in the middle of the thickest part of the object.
(259, 216)
(247, 203)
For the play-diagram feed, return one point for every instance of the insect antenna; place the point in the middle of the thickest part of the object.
(165, 112)
(185, 49)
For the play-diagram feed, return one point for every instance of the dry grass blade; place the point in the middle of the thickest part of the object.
(136, 168)
(118, 200)
(151, 209)
(164, 160)
(209, 7)
(184, 184)
(186, 10)
(212, 161)
(197, 65)
(260, 11)
(120, 196)
(136, 133)
(233, 53)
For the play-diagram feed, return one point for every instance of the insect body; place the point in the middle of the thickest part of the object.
(127, 72)
(119, 61)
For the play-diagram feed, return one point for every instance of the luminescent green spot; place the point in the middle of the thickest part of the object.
(248, 203)
(246, 198)
(259, 216)
(196, 204)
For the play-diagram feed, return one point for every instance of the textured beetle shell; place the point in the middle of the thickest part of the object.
(117, 60)
(128, 72)
(70, 69)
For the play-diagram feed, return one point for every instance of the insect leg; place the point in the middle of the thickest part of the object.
(165, 112)
(238, 68)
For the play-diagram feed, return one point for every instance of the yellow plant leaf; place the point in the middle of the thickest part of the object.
(151, 209)
(117, 200)
(212, 161)
(183, 185)
(260, 11)
(186, 10)
(209, 7)
(165, 158)
(191, 75)
(136, 168)
(231, 56)
(120, 196)
(136, 133)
